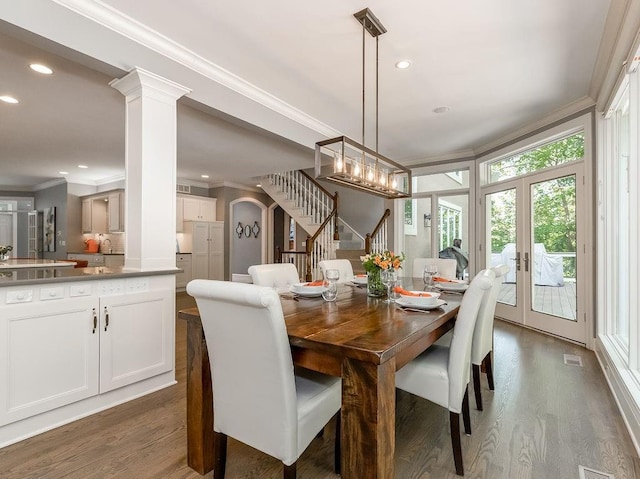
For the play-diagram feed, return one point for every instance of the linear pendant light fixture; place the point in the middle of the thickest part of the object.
(349, 163)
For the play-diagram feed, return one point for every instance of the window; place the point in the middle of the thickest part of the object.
(556, 153)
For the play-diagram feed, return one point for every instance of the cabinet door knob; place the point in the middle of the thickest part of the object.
(95, 321)
(106, 318)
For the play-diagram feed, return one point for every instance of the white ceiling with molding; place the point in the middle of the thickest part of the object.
(269, 79)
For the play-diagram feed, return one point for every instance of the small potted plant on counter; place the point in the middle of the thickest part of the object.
(4, 252)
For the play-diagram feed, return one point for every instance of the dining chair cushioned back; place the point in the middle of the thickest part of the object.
(342, 265)
(446, 267)
(460, 349)
(274, 275)
(483, 334)
(441, 373)
(254, 387)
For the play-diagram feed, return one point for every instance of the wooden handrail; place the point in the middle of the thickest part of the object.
(313, 180)
(367, 239)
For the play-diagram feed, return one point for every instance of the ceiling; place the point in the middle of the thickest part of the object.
(268, 79)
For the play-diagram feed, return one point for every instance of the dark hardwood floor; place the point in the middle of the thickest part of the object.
(543, 420)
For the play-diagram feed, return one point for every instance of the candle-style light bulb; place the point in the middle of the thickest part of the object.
(338, 162)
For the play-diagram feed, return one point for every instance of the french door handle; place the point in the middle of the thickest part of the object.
(526, 261)
(517, 258)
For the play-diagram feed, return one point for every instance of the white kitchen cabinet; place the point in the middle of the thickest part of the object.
(183, 261)
(116, 212)
(179, 214)
(60, 351)
(198, 208)
(136, 338)
(94, 215)
(103, 213)
(51, 356)
(86, 215)
(92, 259)
(114, 260)
(206, 241)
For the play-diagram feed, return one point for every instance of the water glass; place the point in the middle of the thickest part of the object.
(331, 276)
(429, 272)
(389, 278)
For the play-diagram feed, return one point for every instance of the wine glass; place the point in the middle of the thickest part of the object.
(389, 278)
(331, 276)
(430, 271)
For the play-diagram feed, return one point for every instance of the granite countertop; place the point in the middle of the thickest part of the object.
(94, 254)
(11, 264)
(25, 276)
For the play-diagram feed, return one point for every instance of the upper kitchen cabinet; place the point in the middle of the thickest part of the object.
(198, 208)
(116, 212)
(103, 213)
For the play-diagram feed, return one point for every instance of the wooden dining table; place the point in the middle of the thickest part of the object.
(361, 339)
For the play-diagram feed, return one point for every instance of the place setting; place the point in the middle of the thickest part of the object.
(359, 280)
(417, 301)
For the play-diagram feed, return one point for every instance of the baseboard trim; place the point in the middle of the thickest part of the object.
(625, 390)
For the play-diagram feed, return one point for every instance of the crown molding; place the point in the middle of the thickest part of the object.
(126, 26)
(577, 106)
(49, 184)
(199, 184)
(456, 156)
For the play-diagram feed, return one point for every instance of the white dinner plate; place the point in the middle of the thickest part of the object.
(306, 291)
(357, 279)
(404, 304)
(453, 286)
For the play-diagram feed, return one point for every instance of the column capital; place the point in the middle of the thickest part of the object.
(138, 79)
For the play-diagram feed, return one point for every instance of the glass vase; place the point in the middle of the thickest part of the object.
(375, 288)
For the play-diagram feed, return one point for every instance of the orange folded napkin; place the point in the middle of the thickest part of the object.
(405, 292)
(318, 282)
(439, 279)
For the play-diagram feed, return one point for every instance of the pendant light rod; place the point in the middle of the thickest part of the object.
(363, 81)
(377, 93)
(371, 24)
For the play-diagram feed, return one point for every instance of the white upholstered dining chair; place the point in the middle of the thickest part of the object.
(482, 343)
(441, 374)
(342, 265)
(257, 397)
(274, 275)
(446, 267)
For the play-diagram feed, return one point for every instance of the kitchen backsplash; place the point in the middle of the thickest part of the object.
(117, 241)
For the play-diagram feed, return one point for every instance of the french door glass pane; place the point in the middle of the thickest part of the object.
(501, 235)
(553, 266)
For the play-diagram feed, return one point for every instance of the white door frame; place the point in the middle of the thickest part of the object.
(522, 312)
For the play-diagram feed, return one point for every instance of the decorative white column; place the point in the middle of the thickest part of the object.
(150, 166)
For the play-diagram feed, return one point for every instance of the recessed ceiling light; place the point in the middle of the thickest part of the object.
(259, 185)
(8, 99)
(83, 166)
(442, 109)
(402, 64)
(204, 176)
(45, 70)
(63, 172)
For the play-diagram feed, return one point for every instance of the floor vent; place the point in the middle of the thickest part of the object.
(586, 473)
(183, 188)
(572, 360)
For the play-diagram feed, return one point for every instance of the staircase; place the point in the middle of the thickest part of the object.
(351, 247)
(316, 211)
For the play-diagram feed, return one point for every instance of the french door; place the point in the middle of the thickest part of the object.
(532, 224)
